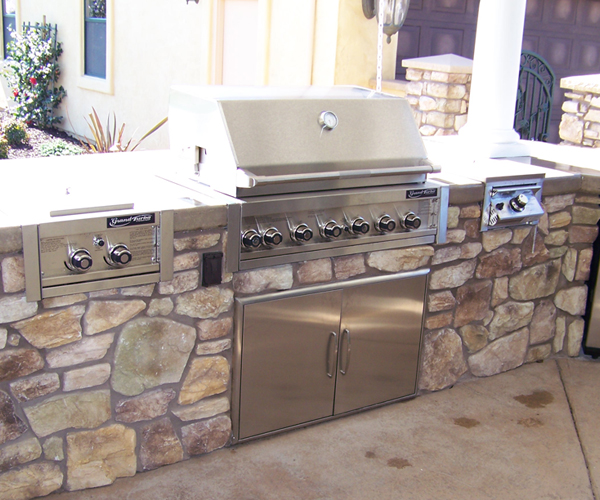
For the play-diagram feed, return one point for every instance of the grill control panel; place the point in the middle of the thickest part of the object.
(97, 253)
(512, 203)
(302, 227)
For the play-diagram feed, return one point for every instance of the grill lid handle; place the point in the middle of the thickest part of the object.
(248, 180)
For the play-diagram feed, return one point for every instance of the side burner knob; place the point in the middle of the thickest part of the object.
(120, 255)
(332, 229)
(518, 203)
(302, 233)
(360, 226)
(412, 221)
(272, 236)
(251, 239)
(385, 224)
(80, 260)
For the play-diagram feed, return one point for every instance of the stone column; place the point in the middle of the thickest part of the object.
(438, 92)
(580, 122)
(496, 62)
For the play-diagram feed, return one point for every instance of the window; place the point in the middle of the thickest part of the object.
(95, 38)
(9, 8)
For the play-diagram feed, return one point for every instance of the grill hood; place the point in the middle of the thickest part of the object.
(249, 141)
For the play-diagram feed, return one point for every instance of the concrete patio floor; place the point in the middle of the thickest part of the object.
(531, 433)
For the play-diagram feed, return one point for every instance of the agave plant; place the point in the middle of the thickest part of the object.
(110, 140)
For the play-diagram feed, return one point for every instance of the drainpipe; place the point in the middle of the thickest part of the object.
(489, 130)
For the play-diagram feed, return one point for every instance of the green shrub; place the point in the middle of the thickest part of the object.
(97, 8)
(15, 132)
(4, 147)
(32, 74)
(58, 147)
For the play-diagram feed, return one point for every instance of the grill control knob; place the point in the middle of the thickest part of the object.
(302, 233)
(272, 236)
(360, 226)
(518, 203)
(412, 221)
(80, 260)
(332, 229)
(251, 239)
(120, 255)
(385, 224)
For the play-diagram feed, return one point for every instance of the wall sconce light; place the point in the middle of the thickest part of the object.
(188, 1)
(394, 14)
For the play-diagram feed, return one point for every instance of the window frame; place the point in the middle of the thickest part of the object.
(95, 33)
(104, 85)
(16, 24)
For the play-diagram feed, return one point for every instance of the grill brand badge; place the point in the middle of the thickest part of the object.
(421, 193)
(130, 220)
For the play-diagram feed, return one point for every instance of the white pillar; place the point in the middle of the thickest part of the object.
(498, 41)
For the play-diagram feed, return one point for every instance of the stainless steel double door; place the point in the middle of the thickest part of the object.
(308, 356)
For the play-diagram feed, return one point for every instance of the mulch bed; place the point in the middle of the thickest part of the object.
(37, 137)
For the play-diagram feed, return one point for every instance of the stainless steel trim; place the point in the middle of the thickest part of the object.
(326, 287)
(331, 185)
(31, 257)
(236, 366)
(234, 228)
(99, 275)
(303, 254)
(332, 335)
(421, 344)
(166, 245)
(92, 286)
(263, 180)
(442, 212)
(91, 210)
(518, 180)
(302, 201)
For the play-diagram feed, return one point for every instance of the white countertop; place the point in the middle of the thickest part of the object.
(33, 189)
(456, 156)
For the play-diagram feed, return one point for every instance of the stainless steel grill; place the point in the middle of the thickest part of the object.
(320, 171)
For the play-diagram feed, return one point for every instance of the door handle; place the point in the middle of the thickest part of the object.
(346, 334)
(328, 361)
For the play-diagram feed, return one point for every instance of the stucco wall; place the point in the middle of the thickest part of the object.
(154, 47)
(158, 44)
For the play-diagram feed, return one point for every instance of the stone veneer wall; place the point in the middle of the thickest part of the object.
(96, 386)
(438, 92)
(580, 122)
(505, 297)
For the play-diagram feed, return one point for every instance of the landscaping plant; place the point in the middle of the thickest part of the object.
(110, 140)
(15, 132)
(4, 147)
(59, 147)
(97, 8)
(33, 74)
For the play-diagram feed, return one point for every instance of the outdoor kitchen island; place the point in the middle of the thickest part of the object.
(98, 385)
